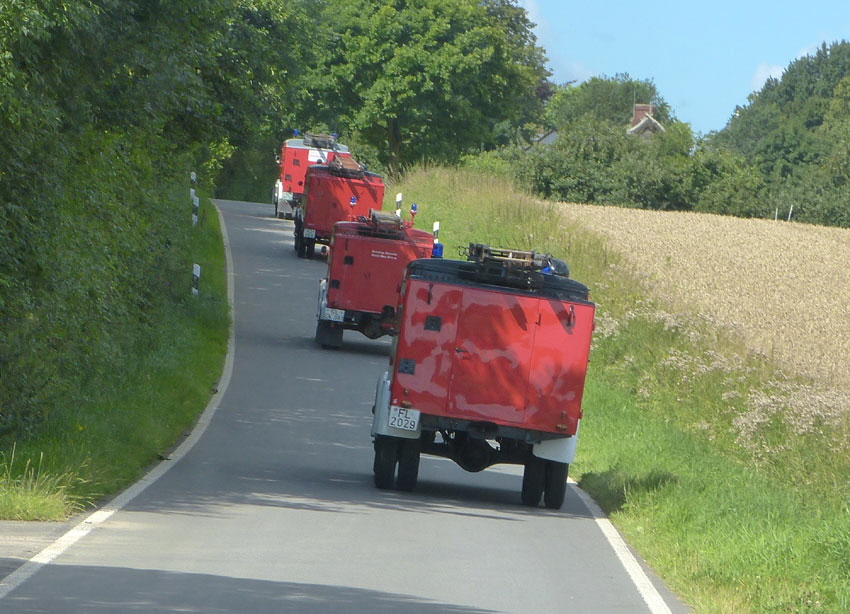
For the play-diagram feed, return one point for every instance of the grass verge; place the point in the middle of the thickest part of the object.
(111, 433)
(690, 442)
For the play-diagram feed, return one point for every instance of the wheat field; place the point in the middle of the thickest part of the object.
(782, 287)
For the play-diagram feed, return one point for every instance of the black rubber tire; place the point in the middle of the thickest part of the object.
(311, 247)
(328, 336)
(556, 484)
(533, 481)
(386, 458)
(299, 235)
(408, 464)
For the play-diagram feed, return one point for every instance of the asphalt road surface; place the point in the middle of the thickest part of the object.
(270, 505)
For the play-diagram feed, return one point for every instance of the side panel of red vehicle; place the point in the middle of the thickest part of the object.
(365, 271)
(293, 168)
(559, 366)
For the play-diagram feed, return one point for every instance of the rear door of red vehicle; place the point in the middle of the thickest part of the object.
(492, 356)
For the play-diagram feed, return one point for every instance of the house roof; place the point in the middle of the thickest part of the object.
(647, 125)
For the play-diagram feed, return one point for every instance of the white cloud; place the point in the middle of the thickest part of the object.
(763, 73)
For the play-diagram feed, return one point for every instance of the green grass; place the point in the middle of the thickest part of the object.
(108, 436)
(738, 510)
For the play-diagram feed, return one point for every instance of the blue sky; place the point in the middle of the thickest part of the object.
(705, 58)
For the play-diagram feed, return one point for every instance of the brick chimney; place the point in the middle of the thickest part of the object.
(641, 111)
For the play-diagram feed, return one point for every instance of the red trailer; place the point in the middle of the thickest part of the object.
(488, 367)
(340, 191)
(296, 156)
(365, 266)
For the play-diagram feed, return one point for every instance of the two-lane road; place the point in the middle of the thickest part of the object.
(272, 507)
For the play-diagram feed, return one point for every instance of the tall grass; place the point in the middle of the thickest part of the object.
(107, 435)
(32, 494)
(734, 518)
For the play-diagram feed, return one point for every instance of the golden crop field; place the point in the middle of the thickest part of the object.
(783, 287)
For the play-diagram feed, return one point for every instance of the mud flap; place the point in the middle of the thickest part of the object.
(560, 450)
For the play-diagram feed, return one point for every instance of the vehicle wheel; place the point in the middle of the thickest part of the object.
(298, 236)
(556, 484)
(311, 247)
(533, 481)
(408, 464)
(386, 457)
(328, 336)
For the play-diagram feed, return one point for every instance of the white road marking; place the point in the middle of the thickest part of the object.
(645, 587)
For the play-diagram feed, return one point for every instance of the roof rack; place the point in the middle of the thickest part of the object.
(385, 220)
(381, 224)
(321, 141)
(344, 166)
(479, 252)
(514, 268)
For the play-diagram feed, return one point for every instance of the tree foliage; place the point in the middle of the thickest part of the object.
(604, 99)
(106, 106)
(785, 153)
(431, 79)
(794, 131)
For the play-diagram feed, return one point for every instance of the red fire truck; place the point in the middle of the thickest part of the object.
(365, 266)
(296, 156)
(340, 191)
(488, 366)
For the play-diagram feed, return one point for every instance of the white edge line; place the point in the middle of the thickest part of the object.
(51, 552)
(644, 585)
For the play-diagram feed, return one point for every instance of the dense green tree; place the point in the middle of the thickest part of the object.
(605, 99)
(794, 132)
(726, 184)
(431, 79)
(105, 105)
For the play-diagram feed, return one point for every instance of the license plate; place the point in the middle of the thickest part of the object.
(334, 315)
(309, 233)
(403, 418)
(286, 196)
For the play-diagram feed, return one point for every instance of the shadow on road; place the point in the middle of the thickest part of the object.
(137, 590)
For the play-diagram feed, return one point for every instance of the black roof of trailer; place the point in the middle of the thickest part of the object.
(530, 282)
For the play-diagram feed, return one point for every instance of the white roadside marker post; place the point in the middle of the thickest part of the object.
(196, 278)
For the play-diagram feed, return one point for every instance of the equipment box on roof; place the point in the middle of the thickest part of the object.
(365, 266)
(488, 367)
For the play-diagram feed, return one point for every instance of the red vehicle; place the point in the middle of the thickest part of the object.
(296, 156)
(488, 367)
(365, 266)
(340, 191)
